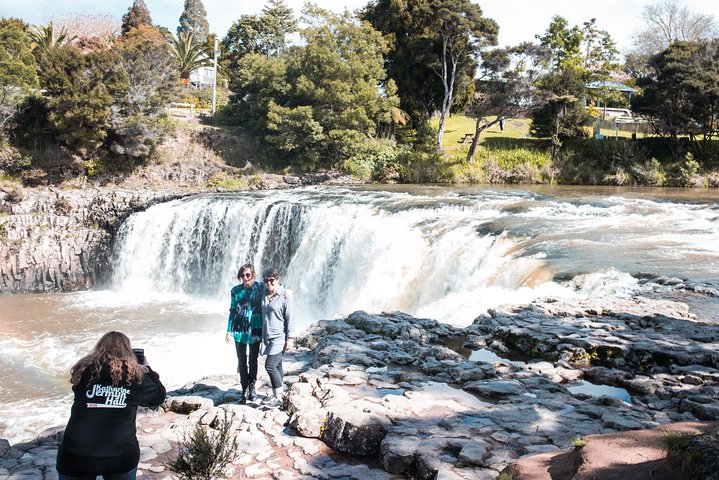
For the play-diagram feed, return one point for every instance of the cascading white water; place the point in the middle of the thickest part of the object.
(339, 251)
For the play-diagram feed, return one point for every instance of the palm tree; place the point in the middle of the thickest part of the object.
(45, 39)
(189, 54)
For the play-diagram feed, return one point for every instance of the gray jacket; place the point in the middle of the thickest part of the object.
(277, 322)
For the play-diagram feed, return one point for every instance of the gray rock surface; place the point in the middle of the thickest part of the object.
(392, 396)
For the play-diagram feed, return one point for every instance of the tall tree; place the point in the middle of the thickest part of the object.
(279, 22)
(435, 42)
(140, 101)
(137, 15)
(77, 96)
(681, 97)
(339, 96)
(265, 33)
(194, 19)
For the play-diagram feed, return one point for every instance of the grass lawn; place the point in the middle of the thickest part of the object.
(457, 126)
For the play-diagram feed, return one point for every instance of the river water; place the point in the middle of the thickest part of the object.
(436, 252)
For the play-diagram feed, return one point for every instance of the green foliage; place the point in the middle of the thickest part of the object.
(374, 160)
(649, 173)
(205, 451)
(137, 16)
(578, 443)
(17, 71)
(265, 34)
(562, 115)
(695, 455)
(296, 133)
(137, 124)
(194, 19)
(78, 95)
(202, 97)
(318, 103)
(45, 38)
(224, 181)
(110, 99)
(255, 82)
(688, 170)
(682, 93)
(188, 50)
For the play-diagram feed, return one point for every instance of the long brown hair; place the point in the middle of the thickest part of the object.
(114, 351)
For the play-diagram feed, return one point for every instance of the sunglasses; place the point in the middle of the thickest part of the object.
(269, 280)
(247, 275)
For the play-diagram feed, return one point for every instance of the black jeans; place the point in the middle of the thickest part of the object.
(273, 365)
(247, 370)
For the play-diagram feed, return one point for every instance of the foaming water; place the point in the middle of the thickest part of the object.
(443, 253)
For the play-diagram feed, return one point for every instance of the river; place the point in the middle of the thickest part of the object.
(448, 253)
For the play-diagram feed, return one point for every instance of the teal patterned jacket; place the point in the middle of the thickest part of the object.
(251, 300)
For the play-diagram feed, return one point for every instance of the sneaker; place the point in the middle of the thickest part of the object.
(273, 402)
(251, 393)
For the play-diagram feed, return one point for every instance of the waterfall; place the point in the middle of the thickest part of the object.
(338, 250)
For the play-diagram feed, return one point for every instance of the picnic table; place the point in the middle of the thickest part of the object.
(467, 136)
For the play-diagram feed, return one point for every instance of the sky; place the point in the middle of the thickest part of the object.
(519, 20)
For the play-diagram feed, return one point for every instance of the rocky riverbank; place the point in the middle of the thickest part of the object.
(392, 396)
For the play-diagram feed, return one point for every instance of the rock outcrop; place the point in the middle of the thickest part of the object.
(60, 240)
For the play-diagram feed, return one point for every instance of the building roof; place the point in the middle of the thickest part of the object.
(611, 86)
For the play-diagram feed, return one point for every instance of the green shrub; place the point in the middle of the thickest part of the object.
(227, 182)
(206, 451)
(374, 159)
(689, 172)
(648, 173)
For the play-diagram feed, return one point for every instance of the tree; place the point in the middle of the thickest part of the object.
(194, 19)
(256, 81)
(505, 86)
(575, 56)
(17, 70)
(77, 96)
(189, 54)
(462, 32)
(137, 15)
(668, 21)
(336, 83)
(434, 44)
(681, 97)
(278, 22)
(564, 43)
(150, 77)
(265, 34)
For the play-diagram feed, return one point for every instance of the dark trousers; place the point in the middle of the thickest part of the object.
(273, 365)
(247, 369)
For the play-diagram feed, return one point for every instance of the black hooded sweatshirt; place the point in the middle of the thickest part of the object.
(100, 436)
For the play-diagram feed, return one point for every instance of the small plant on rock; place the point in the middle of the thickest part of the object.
(205, 451)
(578, 443)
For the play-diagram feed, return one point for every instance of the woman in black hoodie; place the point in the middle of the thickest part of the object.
(100, 438)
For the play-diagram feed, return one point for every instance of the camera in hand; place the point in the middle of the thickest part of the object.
(140, 355)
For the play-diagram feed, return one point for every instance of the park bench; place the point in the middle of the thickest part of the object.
(467, 136)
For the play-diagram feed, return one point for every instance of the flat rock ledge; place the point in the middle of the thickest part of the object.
(380, 396)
